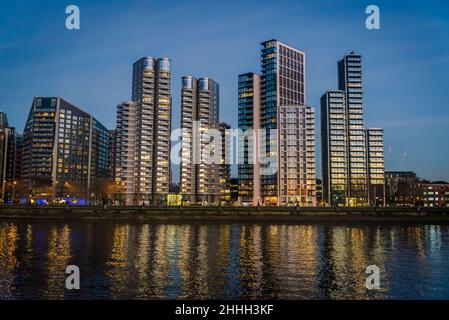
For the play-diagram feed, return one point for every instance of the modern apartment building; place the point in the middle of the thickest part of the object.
(201, 160)
(353, 157)
(350, 82)
(226, 160)
(334, 148)
(297, 176)
(151, 91)
(282, 95)
(65, 151)
(248, 152)
(435, 194)
(18, 157)
(402, 188)
(375, 166)
(7, 156)
(125, 153)
(111, 156)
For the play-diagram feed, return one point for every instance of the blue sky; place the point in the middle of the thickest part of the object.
(406, 63)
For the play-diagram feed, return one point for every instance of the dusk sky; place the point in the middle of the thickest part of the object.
(406, 62)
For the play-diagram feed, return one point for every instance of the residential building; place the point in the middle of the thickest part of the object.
(334, 148)
(225, 167)
(402, 188)
(352, 156)
(350, 82)
(111, 155)
(435, 194)
(297, 176)
(7, 156)
(283, 83)
(201, 163)
(18, 157)
(65, 151)
(319, 192)
(375, 166)
(249, 126)
(234, 191)
(125, 153)
(288, 177)
(151, 91)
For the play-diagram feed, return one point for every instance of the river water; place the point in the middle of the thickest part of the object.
(222, 261)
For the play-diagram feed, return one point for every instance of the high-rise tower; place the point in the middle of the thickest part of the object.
(249, 124)
(200, 174)
(125, 152)
(350, 82)
(151, 91)
(352, 156)
(283, 84)
(287, 126)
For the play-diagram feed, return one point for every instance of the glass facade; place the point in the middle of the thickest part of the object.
(334, 148)
(65, 150)
(282, 84)
(7, 157)
(248, 123)
(375, 166)
(353, 157)
(350, 81)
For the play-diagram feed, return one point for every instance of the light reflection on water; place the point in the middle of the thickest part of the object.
(222, 261)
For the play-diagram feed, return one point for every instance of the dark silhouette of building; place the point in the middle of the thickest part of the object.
(402, 188)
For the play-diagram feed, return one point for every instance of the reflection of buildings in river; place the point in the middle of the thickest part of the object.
(162, 260)
(185, 256)
(346, 252)
(228, 284)
(291, 259)
(433, 234)
(349, 263)
(172, 279)
(117, 263)
(416, 237)
(202, 268)
(251, 264)
(142, 261)
(224, 240)
(57, 259)
(223, 256)
(8, 260)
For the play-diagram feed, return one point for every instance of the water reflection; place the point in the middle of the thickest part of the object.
(223, 261)
(8, 259)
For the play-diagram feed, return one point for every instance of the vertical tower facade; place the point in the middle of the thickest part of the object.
(375, 166)
(151, 91)
(248, 152)
(7, 156)
(200, 178)
(225, 166)
(111, 155)
(350, 81)
(125, 152)
(283, 83)
(334, 148)
(297, 176)
(18, 157)
(352, 156)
